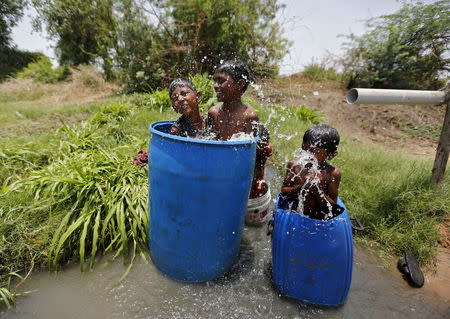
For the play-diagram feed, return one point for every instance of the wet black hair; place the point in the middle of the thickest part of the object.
(323, 136)
(237, 70)
(181, 82)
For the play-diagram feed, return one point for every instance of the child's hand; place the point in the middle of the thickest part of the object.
(141, 159)
(308, 174)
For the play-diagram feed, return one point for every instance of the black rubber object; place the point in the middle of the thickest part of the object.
(358, 224)
(409, 266)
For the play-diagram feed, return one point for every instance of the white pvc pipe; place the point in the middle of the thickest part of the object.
(382, 96)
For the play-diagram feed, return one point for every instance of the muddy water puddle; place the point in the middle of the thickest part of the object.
(245, 292)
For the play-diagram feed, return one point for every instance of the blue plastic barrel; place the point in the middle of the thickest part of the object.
(312, 260)
(198, 199)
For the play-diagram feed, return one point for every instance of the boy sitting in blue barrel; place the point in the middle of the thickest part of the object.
(231, 80)
(191, 123)
(311, 184)
(185, 99)
(232, 118)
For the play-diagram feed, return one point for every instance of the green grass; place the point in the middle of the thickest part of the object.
(431, 131)
(392, 195)
(72, 192)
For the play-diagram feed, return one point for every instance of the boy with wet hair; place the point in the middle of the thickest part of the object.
(231, 80)
(311, 184)
(191, 123)
(185, 99)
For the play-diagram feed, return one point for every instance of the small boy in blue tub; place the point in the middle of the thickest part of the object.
(311, 183)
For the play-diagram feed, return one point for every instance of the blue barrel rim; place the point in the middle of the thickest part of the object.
(339, 202)
(153, 128)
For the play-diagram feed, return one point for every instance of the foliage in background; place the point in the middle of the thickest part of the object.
(13, 61)
(318, 72)
(10, 13)
(409, 49)
(83, 30)
(42, 70)
(141, 55)
(207, 31)
(148, 43)
(205, 86)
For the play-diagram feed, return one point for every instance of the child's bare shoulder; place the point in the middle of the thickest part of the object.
(215, 109)
(250, 113)
(333, 170)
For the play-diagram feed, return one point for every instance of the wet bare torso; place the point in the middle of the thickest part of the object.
(227, 120)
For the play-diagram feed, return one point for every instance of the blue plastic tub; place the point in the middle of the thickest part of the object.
(312, 260)
(198, 199)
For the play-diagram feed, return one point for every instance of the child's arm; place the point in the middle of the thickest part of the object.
(331, 193)
(333, 187)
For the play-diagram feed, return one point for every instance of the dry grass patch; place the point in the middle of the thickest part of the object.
(85, 85)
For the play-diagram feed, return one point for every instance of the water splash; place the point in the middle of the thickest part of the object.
(311, 171)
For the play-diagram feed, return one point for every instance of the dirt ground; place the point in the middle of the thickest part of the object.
(413, 129)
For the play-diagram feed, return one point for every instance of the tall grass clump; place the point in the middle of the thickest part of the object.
(392, 195)
(17, 162)
(103, 197)
(317, 72)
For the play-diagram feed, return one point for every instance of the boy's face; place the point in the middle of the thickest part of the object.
(320, 154)
(184, 100)
(226, 88)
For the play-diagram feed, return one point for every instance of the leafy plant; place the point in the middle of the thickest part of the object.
(112, 112)
(204, 85)
(106, 204)
(43, 71)
(7, 294)
(15, 162)
(278, 112)
(160, 99)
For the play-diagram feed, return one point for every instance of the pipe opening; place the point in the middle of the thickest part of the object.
(352, 96)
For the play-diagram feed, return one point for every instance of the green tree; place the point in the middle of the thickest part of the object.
(140, 55)
(10, 13)
(408, 50)
(12, 60)
(82, 29)
(207, 31)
